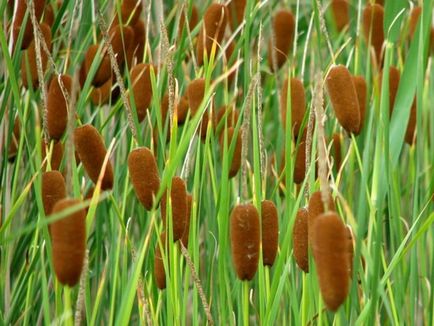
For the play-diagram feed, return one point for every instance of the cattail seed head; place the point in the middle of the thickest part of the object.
(300, 161)
(362, 93)
(56, 154)
(316, 208)
(300, 239)
(28, 60)
(411, 125)
(394, 78)
(341, 13)
(337, 151)
(270, 232)
(91, 150)
(343, 97)
(283, 29)
(49, 15)
(159, 272)
(137, 46)
(245, 238)
(330, 252)
(144, 175)
(53, 190)
(373, 16)
(104, 71)
(182, 110)
(130, 11)
(414, 19)
(298, 104)
(57, 106)
(178, 198)
(192, 22)
(236, 158)
(195, 94)
(28, 28)
(186, 233)
(236, 10)
(101, 95)
(121, 38)
(69, 242)
(213, 30)
(229, 113)
(142, 88)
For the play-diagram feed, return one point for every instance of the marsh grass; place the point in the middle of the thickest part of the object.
(384, 188)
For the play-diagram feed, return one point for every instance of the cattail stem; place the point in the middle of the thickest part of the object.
(322, 150)
(308, 151)
(80, 297)
(119, 79)
(324, 29)
(246, 303)
(69, 132)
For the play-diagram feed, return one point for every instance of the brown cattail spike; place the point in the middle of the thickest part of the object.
(192, 22)
(236, 10)
(283, 29)
(56, 155)
(144, 175)
(69, 242)
(130, 11)
(53, 190)
(245, 240)
(178, 198)
(236, 158)
(316, 208)
(330, 252)
(362, 93)
(91, 150)
(29, 62)
(213, 30)
(414, 19)
(103, 72)
(57, 106)
(298, 104)
(101, 95)
(19, 19)
(159, 272)
(300, 160)
(341, 13)
(300, 239)
(336, 150)
(343, 97)
(195, 94)
(186, 233)
(411, 125)
(394, 78)
(121, 38)
(142, 88)
(373, 16)
(270, 232)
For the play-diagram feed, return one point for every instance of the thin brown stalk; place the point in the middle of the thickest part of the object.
(69, 131)
(80, 298)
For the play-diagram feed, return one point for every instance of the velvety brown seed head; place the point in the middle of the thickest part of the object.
(343, 97)
(53, 190)
(341, 13)
(101, 95)
(57, 106)
(316, 208)
(362, 93)
(298, 104)
(236, 158)
(330, 252)
(230, 114)
(19, 18)
(350, 248)
(15, 140)
(104, 71)
(159, 272)
(195, 94)
(137, 47)
(91, 150)
(144, 175)
(192, 22)
(236, 10)
(270, 232)
(182, 110)
(186, 233)
(300, 161)
(164, 107)
(414, 19)
(245, 238)
(178, 197)
(300, 240)
(142, 88)
(337, 151)
(373, 16)
(68, 237)
(49, 16)
(28, 60)
(394, 78)
(283, 29)
(121, 38)
(213, 30)
(130, 11)
(411, 125)
(56, 154)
